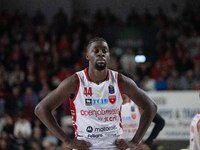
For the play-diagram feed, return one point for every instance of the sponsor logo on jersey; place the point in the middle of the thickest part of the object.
(95, 135)
(88, 102)
(89, 129)
(132, 108)
(134, 115)
(126, 118)
(95, 101)
(99, 92)
(111, 89)
(112, 99)
(99, 112)
(105, 129)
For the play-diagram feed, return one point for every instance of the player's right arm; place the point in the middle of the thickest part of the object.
(51, 102)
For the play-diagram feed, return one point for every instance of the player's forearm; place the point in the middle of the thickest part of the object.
(159, 125)
(45, 115)
(145, 121)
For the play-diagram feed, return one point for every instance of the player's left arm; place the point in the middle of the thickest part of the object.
(141, 99)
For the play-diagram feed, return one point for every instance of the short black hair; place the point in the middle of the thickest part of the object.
(95, 40)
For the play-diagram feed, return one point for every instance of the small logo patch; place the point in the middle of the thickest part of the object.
(111, 89)
(88, 102)
(132, 108)
(112, 99)
(134, 115)
(89, 129)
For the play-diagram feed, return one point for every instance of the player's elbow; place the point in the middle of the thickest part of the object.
(154, 108)
(161, 124)
(38, 110)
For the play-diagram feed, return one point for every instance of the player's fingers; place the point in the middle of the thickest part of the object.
(88, 144)
(121, 144)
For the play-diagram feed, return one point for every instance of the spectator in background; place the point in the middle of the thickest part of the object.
(34, 145)
(17, 75)
(28, 44)
(36, 138)
(22, 128)
(16, 57)
(148, 83)
(14, 104)
(183, 63)
(187, 80)
(6, 142)
(173, 80)
(22, 132)
(42, 45)
(193, 43)
(161, 84)
(8, 125)
(128, 62)
(50, 141)
(44, 90)
(30, 100)
(64, 45)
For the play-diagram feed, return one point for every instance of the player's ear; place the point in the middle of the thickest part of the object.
(86, 56)
(87, 53)
(109, 56)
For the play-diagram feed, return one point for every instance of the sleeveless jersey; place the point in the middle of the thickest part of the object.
(96, 111)
(194, 134)
(130, 120)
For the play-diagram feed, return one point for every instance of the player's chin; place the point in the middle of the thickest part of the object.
(100, 66)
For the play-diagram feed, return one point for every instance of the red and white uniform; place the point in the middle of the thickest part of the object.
(96, 111)
(194, 133)
(130, 120)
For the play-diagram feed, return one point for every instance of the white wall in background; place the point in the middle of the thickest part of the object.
(177, 108)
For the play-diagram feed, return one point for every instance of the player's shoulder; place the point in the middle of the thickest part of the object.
(72, 80)
(123, 78)
(113, 74)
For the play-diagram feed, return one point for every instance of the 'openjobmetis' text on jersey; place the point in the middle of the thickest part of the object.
(96, 110)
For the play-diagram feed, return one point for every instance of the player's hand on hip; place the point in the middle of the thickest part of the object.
(78, 144)
(121, 144)
(141, 146)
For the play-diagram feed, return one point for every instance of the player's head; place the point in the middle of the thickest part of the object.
(98, 53)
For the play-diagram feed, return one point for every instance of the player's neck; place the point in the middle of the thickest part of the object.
(97, 76)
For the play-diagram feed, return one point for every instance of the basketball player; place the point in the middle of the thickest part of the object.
(130, 114)
(195, 133)
(95, 104)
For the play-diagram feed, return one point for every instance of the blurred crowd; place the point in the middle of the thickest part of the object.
(36, 55)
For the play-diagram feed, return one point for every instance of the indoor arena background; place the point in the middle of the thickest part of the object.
(156, 43)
